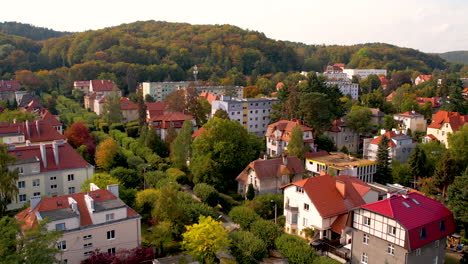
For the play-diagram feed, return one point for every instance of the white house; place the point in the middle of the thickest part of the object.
(411, 120)
(400, 146)
(278, 136)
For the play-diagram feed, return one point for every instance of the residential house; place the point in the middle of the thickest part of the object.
(155, 109)
(82, 86)
(344, 136)
(159, 90)
(210, 97)
(53, 120)
(268, 175)
(278, 136)
(48, 169)
(436, 102)
(383, 82)
(363, 73)
(8, 89)
(400, 146)
(162, 123)
(98, 89)
(252, 113)
(29, 133)
(377, 116)
(322, 203)
(235, 91)
(129, 110)
(422, 78)
(443, 124)
(408, 228)
(339, 163)
(97, 219)
(411, 120)
(35, 107)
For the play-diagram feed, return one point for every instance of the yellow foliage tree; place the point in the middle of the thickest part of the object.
(105, 154)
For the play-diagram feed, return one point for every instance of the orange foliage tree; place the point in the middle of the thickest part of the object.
(106, 153)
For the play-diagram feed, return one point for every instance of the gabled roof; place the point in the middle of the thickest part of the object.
(39, 131)
(390, 135)
(9, 85)
(285, 127)
(171, 116)
(155, 108)
(209, 97)
(434, 101)
(198, 132)
(126, 104)
(34, 105)
(25, 100)
(453, 118)
(410, 114)
(383, 81)
(50, 118)
(81, 83)
(337, 125)
(414, 211)
(328, 201)
(272, 168)
(68, 157)
(424, 78)
(103, 85)
(55, 205)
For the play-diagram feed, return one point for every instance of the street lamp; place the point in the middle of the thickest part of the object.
(276, 210)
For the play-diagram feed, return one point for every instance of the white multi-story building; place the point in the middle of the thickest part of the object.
(343, 136)
(92, 220)
(341, 164)
(278, 136)
(346, 87)
(159, 90)
(48, 170)
(411, 120)
(363, 73)
(236, 91)
(253, 114)
(400, 146)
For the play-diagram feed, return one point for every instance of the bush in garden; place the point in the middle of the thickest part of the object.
(206, 193)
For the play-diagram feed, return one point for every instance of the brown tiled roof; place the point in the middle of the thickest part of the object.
(9, 85)
(169, 117)
(272, 168)
(389, 135)
(433, 101)
(339, 223)
(410, 114)
(126, 104)
(50, 118)
(198, 132)
(453, 118)
(44, 133)
(103, 85)
(209, 97)
(286, 127)
(81, 83)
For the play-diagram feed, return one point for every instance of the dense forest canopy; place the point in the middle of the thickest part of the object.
(456, 56)
(29, 31)
(162, 51)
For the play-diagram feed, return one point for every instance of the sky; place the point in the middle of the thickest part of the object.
(426, 25)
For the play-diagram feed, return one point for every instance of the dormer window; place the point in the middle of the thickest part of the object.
(422, 233)
(442, 226)
(60, 227)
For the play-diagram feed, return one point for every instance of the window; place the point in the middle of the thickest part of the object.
(111, 234)
(36, 182)
(365, 239)
(88, 253)
(110, 217)
(20, 170)
(364, 258)
(71, 190)
(71, 177)
(436, 243)
(304, 221)
(392, 230)
(62, 245)
(306, 207)
(60, 227)
(88, 245)
(53, 186)
(299, 189)
(53, 178)
(391, 249)
(22, 197)
(442, 225)
(422, 233)
(37, 194)
(111, 251)
(21, 184)
(87, 237)
(366, 221)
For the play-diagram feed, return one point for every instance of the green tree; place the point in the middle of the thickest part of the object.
(149, 99)
(141, 109)
(101, 180)
(457, 200)
(295, 249)
(181, 147)
(247, 248)
(220, 113)
(417, 163)
(325, 143)
(401, 173)
(205, 239)
(369, 84)
(383, 173)
(8, 178)
(267, 230)
(389, 122)
(222, 152)
(250, 192)
(458, 147)
(359, 119)
(296, 146)
(206, 193)
(128, 177)
(446, 170)
(244, 216)
(10, 116)
(161, 237)
(111, 108)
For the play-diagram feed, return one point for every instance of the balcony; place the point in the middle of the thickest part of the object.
(292, 209)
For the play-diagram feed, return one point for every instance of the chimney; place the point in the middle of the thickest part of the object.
(43, 155)
(382, 131)
(74, 205)
(26, 124)
(285, 160)
(114, 189)
(37, 128)
(56, 152)
(93, 187)
(341, 187)
(34, 201)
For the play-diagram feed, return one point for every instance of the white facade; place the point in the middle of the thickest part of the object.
(412, 120)
(332, 76)
(159, 90)
(346, 88)
(363, 73)
(401, 147)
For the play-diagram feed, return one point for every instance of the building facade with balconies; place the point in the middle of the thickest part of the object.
(278, 136)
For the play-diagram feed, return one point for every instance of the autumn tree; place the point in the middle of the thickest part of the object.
(8, 178)
(296, 146)
(205, 239)
(78, 135)
(182, 145)
(383, 173)
(106, 153)
(359, 119)
(220, 113)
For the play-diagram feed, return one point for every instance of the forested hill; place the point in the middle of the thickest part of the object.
(29, 31)
(456, 56)
(158, 51)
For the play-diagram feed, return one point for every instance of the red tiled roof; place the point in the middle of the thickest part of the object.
(155, 109)
(389, 135)
(166, 119)
(272, 168)
(337, 124)
(339, 224)
(50, 118)
(68, 157)
(9, 85)
(61, 202)
(34, 105)
(432, 137)
(327, 199)
(286, 127)
(126, 104)
(425, 212)
(279, 86)
(341, 65)
(103, 85)
(198, 132)
(453, 118)
(410, 114)
(433, 101)
(44, 133)
(423, 78)
(81, 83)
(310, 155)
(209, 97)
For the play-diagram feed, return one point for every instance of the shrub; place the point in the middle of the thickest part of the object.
(250, 192)
(206, 193)
(243, 216)
(264, 207)
(132, 132)
(117, 126)
(267, 230)
(177, 175)
(295, 249)
(227, 202)
(247, 248)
